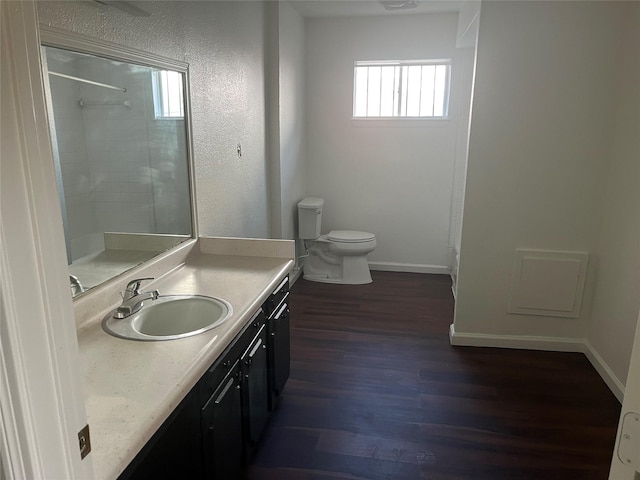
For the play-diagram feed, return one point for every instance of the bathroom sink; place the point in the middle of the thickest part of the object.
(170, 317)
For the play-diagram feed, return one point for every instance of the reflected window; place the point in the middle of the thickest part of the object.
(168, 100)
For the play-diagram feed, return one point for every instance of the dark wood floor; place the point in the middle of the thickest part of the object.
(376, 392)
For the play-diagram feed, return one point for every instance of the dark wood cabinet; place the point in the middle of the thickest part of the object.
(216, 429)
(222, 438)
(255, 390)
(175, 449)
(278, 342)
(279, 352)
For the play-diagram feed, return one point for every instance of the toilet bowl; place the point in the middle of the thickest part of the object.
(337, 257)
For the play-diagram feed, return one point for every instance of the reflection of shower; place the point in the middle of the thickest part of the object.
(55, 147)
(108, 158)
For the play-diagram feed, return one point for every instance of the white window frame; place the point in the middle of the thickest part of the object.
(400, 87)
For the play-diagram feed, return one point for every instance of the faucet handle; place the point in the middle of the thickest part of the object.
(133, 287)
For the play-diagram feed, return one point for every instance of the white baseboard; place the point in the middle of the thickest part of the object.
(612, 381)
(553, 344)
(409, 268)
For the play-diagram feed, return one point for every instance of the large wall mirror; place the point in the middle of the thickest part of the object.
(121, 144)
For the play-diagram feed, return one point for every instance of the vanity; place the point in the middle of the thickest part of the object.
(193, 407)
(179, 406)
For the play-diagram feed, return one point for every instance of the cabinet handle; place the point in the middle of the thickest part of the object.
(224, 392)
(281, 311)
(255, 349)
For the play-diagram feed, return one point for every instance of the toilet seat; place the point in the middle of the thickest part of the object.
(349, 236)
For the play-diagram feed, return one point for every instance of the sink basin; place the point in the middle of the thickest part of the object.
(170, 317)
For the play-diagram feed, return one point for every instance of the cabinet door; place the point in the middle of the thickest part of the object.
(279, 353)
(255, 389)
(222, 429)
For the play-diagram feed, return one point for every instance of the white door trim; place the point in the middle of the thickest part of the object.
(631, 404)
(42, 403)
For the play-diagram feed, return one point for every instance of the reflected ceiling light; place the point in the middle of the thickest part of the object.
(398, 4)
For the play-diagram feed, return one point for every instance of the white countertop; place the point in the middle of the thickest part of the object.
(132, 386)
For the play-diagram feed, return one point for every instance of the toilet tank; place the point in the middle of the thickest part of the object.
(310, 217)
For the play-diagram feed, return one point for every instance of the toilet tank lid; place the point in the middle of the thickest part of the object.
(311, 202)
(349, 236)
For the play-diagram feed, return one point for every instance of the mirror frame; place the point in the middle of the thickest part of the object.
(58, 38)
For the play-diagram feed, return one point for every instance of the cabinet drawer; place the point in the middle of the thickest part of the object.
(276, 298)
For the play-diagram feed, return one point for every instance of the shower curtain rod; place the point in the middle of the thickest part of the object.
(84, 80)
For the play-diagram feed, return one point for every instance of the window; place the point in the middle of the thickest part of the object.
(417, 89)
(168, 99)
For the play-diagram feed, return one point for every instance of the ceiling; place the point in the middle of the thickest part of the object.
(347, 8)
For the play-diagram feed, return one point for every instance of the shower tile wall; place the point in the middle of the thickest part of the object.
(119, 163)
(167, 149)
(117, 148)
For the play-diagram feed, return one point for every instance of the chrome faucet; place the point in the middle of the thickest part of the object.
(133, 298)
(76, 286)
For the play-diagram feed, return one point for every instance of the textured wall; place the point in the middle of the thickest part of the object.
(391, 178)
(223, 43)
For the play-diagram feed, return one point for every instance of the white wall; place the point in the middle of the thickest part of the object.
(538, 153)
(460, 161)
(223, 43)
(394, 181)
(616, 300)
(286, 116)
(292, 116)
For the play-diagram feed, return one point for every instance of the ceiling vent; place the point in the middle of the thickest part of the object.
(393, 5)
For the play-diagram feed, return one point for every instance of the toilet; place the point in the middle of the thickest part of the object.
(340, 256)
